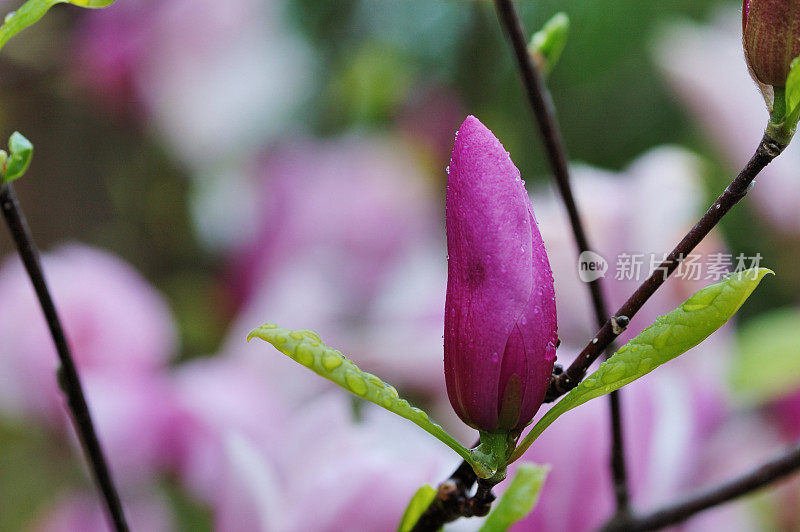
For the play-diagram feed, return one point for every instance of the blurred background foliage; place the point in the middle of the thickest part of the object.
(104, 177)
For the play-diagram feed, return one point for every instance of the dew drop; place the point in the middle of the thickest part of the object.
(356, 384)
(331, 362)
(304, 355)
(420, 413)
(10, 16)
(296, 335)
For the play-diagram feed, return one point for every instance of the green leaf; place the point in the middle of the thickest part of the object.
(670, 336)
(518, 500)
(547, 44)
(418, 504)
(91, 4)
(306, 348)
(767, 365)
(793, 90)
(32, 10)
(19, 158)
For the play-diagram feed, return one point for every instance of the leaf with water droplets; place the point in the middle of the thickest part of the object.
(668, 337)
(519, 499)
(307, 349)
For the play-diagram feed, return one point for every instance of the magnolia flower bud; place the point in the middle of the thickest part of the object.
(500, 313)
(771, 36)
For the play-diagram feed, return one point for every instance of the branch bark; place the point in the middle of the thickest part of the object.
(769, 472)
(67, 373)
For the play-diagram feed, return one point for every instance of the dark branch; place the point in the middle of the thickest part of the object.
(767, 150)
(453, 501)
(772, 471)
(67, 373)
(544, 111)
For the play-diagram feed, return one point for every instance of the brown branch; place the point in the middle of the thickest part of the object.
(767, 150)
(767, 473)
(67, 373)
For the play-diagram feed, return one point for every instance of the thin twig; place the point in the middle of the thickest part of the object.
(767, 150)
(767, 473)
(544, 111)
(67, 373)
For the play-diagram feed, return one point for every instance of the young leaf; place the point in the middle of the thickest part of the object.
(518, 500)
(547, 44)
(32, 10)
(767, 366)
(306, 348)
(19, 158)
(418, 504)
(670, 336)
(793, 91)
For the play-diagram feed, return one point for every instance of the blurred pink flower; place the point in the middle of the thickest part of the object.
(706, 68)
(666, 422)
(788, 413)
(349, 245)
(331, 472)
(743, 443)
(78, 512)
(114, 321)
(134, 415)
(215, 398)
(237, 61)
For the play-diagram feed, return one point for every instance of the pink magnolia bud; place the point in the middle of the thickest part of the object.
(771, 36)
(500, 313)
